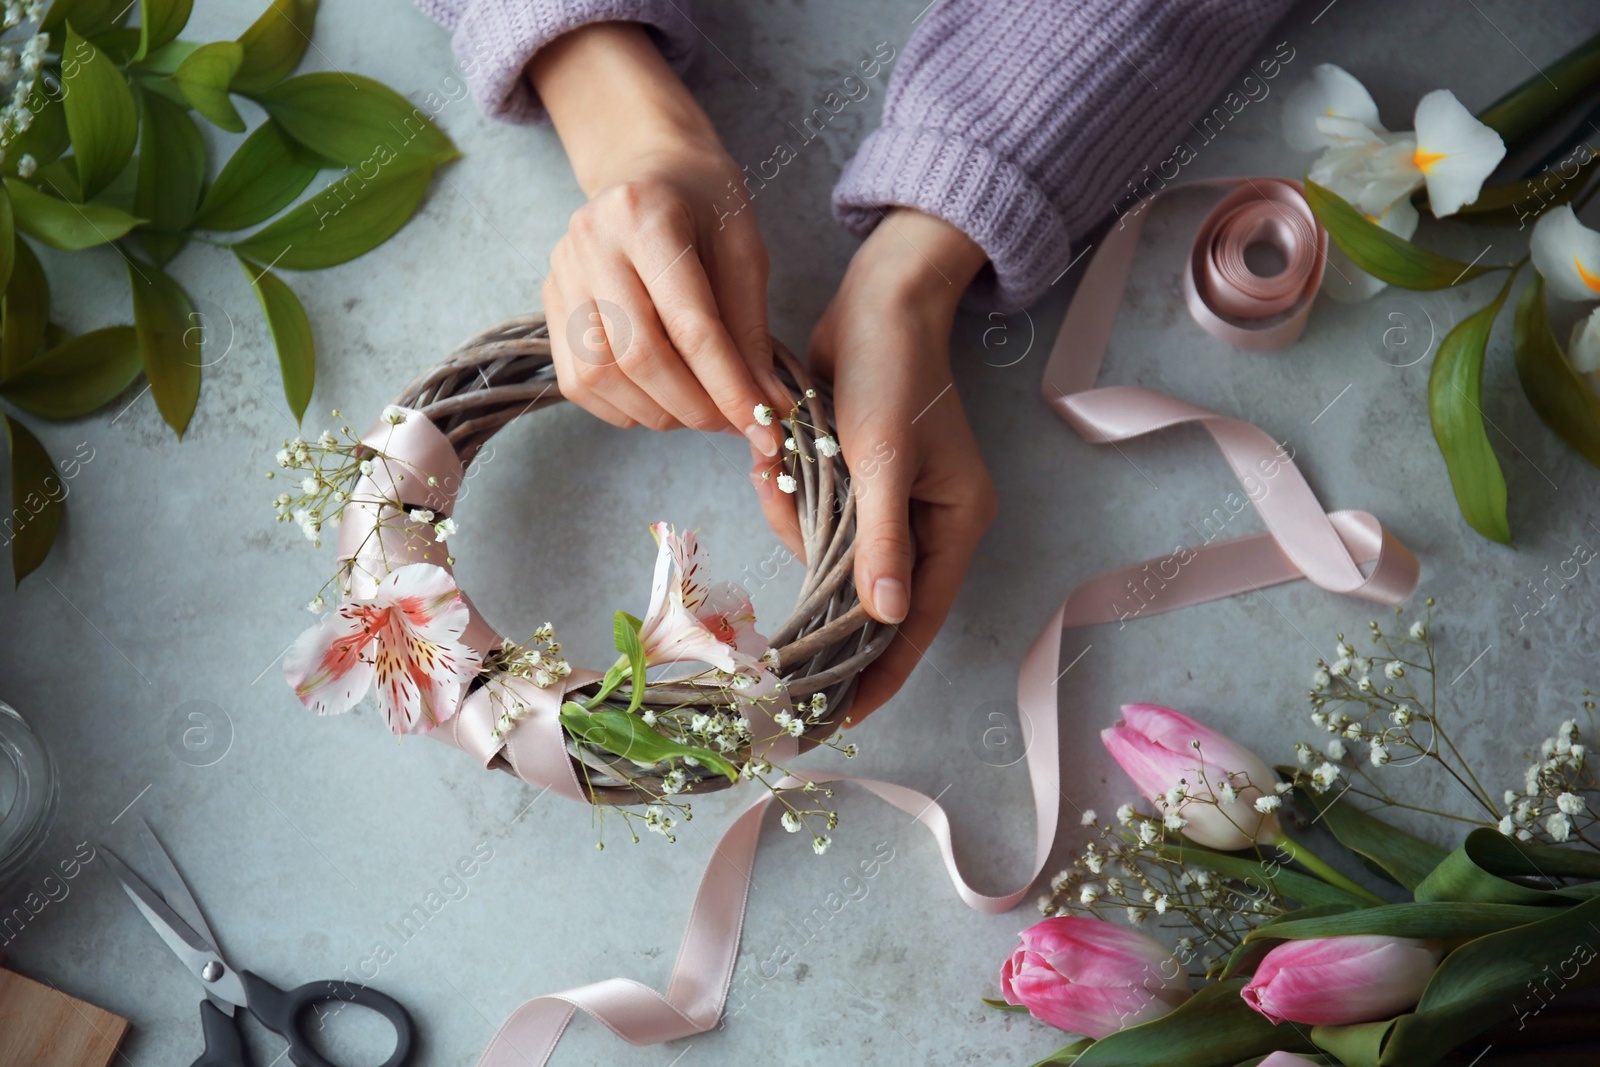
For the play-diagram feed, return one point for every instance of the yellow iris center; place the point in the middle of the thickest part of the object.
(1590, 278)
(1426, 160)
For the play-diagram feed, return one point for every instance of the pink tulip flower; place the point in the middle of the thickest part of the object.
(1338, 980)
(691, 621)
(1092, 977)
(1156, 747)
(407, 635)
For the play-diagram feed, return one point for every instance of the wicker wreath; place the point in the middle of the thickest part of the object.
(827, 640)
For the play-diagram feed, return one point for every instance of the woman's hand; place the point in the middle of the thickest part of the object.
(657, 294)
(923, 496)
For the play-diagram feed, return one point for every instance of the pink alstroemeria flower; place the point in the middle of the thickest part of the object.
(692, 621)
(408, 635)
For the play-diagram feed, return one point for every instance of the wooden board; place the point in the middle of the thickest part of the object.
(42, 1027)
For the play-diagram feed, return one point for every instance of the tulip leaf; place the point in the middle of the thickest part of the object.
(62, 224)
(1405, 857)
(169, 345)
(1000, 1005)
(77, 376)
(625, 632)
(1382, 254)
(1301, 888)
(24, 312)
(1433, 920)
(101, 118)
(1356, 1044)
(263, 176)
(38, 499)
(203, 78)
(274, 44)
(1558, 394)
(1494, 978)
(1529, 107)
(350, 217)
(159, 22)
(1455, 398)
(1213, 1028)
(627, 736)
(291, 335)
(1481, 869)
(1063, 1056)
(355, 121)
(172, 168)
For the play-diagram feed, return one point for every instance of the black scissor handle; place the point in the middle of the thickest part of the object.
(283, 1012)
(224, 1046)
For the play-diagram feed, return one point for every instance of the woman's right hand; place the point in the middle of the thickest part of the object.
(657, 294)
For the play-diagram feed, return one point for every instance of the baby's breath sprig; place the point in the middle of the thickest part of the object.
(538, 660)
(793, 455)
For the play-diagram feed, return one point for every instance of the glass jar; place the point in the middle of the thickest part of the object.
(28, 793)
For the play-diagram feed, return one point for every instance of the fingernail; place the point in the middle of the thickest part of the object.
(889, 597)
(762, 439)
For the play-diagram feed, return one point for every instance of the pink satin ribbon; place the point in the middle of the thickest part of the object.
(1301, 541)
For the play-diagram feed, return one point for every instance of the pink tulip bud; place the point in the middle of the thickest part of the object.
(1338, 980)
(1221, 780)
(1092, 977)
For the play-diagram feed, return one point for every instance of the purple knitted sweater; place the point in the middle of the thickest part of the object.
(1023, 122)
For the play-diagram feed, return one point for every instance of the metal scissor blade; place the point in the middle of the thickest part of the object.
(166, 880)
(197, 952)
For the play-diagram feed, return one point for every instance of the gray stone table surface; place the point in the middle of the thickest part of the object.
(310, 840)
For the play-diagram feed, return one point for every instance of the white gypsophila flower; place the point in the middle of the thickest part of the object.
(1394, 669)
(1268, 805)
(1045, 905)
(1162, 904)
(26, 166)
(420, 515)
(1227, 792)
(365, 467)
(1094, 862)
(1400, 716)
(1087, 818)
(796, 727)
(283, 458)
(1340, 667)
(819, 701)
(787, 483)
(1324, 776)
(1361, 665)
(1303, 754)
(1569, 803)
(791, 822)
(1089, 894)
(1353, 731)
(394, 415)
(310, 485)
(1507, 827)
(790, 445)
(1125, 814)
(1510, 797)
(820, 843)
(1148, 833)
(1320, 679)
(1173, 821)
(1345, 650)
(850, 751)
(1524, 835)
(763, 414)
(327, 440)
(1365, 685)
(1335, 749)
(1282, 787)
(1175, 796)
(1558, 826)
(1059, 880)
(1418, 631)
(444, 529)
(1114, 884)
(1135, 917)
(827, 447)
(1379, 754)
(316, 606)
(648, 717)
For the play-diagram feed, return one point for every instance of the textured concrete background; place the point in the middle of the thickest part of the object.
(171, 591)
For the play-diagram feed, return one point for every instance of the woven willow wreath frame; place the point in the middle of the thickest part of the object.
(828, 639)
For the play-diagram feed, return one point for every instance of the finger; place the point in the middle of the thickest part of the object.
(883, 530)
(947, 537)
(779, 508)
(645, 355)
(676, 281)
(577, 374)
(738, 274)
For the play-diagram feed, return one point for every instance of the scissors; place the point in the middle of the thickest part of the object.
(176, 917)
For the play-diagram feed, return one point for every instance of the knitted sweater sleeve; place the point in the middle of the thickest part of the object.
(494, 40)
(1025, 122)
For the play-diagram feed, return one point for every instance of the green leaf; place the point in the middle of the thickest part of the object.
(38, 498)
(627, 736)
(169, 348)
(274, 44)
(101, 118)
(355, 121)
(46, 136)
(1497, 977)
(1516, 203)
(24, 312)
(1000, 1005)
(1067, 1055)
(8, 253)
(625, 632)
(78, 376)
(63, 224)
(167, 58)
(1292, 884)
(1482, 867)
(1433, 920)
(1406, 857)
(352, 216)
(291, 335)
(1213, 1028)
(1558, 394)
(172, 168)
(91, 17)
(203, 78)
(1356, 1045)
(263, 176)
(1528, 108)
(1455, 393)
(1382, 254)
(159, 22)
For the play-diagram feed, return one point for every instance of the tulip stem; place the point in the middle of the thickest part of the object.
(1318, 866)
